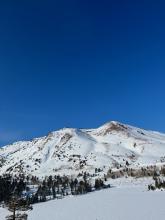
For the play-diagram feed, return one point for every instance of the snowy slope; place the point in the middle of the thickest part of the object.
(71, 151)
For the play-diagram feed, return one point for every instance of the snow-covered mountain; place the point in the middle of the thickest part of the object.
(70, 151)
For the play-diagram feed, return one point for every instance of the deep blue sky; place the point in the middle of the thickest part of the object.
(80, 64)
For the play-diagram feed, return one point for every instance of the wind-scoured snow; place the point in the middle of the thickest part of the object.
(70, 151)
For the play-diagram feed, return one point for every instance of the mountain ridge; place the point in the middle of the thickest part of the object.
(72, 150)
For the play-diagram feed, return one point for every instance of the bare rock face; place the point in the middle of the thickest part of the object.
(113, 127)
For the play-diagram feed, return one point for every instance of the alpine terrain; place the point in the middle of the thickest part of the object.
(72, 151)
(85, 174)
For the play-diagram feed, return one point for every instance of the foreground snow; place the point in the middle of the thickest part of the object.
(3, 213)
(128, 199)
(126, 202)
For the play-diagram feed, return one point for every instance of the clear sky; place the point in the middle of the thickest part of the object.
(80, 64)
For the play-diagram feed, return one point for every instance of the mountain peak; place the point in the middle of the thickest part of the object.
(112, 126)
(71, 150)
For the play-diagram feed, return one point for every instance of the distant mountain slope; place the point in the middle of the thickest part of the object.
(70, 151)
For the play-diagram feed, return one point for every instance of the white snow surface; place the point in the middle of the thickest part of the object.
(70, 151)
(3, 213)
(127, 200)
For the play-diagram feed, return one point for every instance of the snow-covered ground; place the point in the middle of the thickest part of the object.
(128, 199)
(3, 213)
(71, 151)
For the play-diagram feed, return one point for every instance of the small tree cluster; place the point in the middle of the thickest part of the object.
(158, 184)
